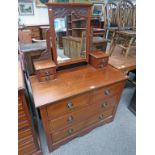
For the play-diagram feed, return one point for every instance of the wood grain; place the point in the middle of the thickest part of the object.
(87, 78)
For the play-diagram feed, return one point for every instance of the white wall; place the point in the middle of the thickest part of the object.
(40, 17)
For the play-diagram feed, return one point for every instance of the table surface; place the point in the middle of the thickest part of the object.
(29, 47)
(122, 63)
(72, 82)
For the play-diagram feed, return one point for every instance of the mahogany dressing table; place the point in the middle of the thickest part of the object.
(79, 98)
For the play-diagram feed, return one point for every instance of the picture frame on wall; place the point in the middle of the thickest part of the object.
(97, 9)
(25, 8)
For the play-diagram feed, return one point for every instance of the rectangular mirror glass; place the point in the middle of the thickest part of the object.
(70, 33)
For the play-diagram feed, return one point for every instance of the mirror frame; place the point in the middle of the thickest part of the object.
(55, 10)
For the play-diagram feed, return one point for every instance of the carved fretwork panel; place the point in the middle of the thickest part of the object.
(60, 12)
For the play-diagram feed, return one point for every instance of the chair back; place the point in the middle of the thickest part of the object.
(110, 15)
(125, 14)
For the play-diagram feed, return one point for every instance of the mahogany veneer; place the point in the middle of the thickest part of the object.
(98, 59)
(28, 142)
(45, 69)
(77, 101)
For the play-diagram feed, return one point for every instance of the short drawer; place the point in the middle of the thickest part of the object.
(46, 72)
(81, 114)
(102, 63)
(46, 78)
(58, 109)
(106, 92)
(72, 130)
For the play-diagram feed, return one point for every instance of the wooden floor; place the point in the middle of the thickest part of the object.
(119, 61)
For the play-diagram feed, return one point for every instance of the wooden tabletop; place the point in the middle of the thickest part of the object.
(122, 63)
(29, 47)
(43, 64)
(73, 82)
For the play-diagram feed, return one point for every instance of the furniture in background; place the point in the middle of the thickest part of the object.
(126, 35)
(31, 51)
(28, 140)
(110, 19)
(35, 32)
(72, 46)
(122, 63)
(43, 31)
(59, 38)
(24, 36)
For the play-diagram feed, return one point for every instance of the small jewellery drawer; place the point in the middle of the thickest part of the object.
(106, 92)
(72, 130)
(68, 105)
(46, 72)
(46, 78)
(102, 63)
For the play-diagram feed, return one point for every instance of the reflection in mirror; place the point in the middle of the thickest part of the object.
(70, 33)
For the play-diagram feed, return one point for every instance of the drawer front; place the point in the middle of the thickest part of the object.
(35, 33)
(47, 72)
(26, 148)
(23, 124)
(106, 92)
(67, 105)
(34, 29)
(46, 78)
(24, 135)
(81, 115)
(102, 62)
(57, 136)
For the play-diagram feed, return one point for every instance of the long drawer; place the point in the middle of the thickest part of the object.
(57, 136)
(81, 115)
(68, 105)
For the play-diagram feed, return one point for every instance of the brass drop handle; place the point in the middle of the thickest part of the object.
(70, 119)
(101, 65)
(101, 116)
(103, 60)
(70, 105)
(106, 92)
(47, 78)
(70, 131)
(46, 72)
(105, 104)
